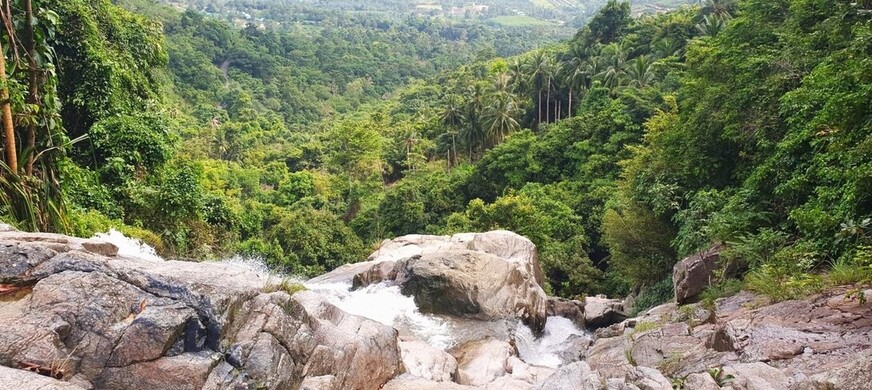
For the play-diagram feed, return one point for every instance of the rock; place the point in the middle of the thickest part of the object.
(646, 378)
(424, 361)
(326, 382)
(376, 273)
(11, 378)
(573, 310)
(574, 348)
(115, 322)
(410, 382)
(473, 284)
(360, 353)
(576, 375)
(701, 381)
(756, 376)
(613, 330)
(693, 274)
(601, 312)
(619, 384)
(481, 362)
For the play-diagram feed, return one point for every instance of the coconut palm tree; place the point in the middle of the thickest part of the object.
(613, 72)
(711, 25)
(640, 72)
(500, 117)
(575, 73)
(535, 70)
(452, 118)
(473, 133)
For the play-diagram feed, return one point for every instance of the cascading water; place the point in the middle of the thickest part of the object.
(384, 303)
(127, 246)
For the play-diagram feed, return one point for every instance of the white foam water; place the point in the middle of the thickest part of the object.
(384, 303)
(127, 246)
(545, 350)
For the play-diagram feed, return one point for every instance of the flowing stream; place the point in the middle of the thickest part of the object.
(384, 303)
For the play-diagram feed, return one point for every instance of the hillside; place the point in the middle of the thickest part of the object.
(743, 126)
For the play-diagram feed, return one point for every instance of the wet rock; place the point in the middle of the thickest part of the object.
(376, 273)
(600, 312)
(566, 308)
(693, 274)
(473, 284)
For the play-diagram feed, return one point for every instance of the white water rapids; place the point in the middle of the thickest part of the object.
(385, 304)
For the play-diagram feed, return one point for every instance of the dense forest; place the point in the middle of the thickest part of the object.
(633, 143)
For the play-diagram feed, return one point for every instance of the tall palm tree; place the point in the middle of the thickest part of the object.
(500, 117)
(575, 73)
(640, 72)
(473, 132)
(452, 118)
(534, 68)
(516, 72)
(550, 69)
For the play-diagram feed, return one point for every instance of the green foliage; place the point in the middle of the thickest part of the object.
(656, 294)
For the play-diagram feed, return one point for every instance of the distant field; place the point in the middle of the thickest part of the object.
(520, 21)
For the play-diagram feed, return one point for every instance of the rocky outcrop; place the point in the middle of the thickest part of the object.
(472, 284)
(744, 343)
(600, 312)
(486, 276)
(566, 308)
(695, 273)
(424, 361)
(101, 321)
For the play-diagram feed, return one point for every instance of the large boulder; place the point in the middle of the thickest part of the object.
(695, 273)
(600, 312)
(566, 308)
(576, 375)
(426, 362)
(86, 315)
(473, 284)
(483, 361)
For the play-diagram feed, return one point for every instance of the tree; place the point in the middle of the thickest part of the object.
(452, 118)
(640, 72)
(500, 116)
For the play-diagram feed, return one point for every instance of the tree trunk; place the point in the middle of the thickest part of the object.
(548, 101)
(11, 153)
(569, 109)
(540, 107)
(454, 147)
(32, 86)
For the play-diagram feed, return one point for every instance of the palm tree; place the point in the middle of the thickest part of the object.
(613, 72)
(666, 48)
(502, 82)
(640, 72)
(575, 73)
(720, 8)
(516, 72)
(535, 71)
(452, 118)
(500, 117)
(550, 69)
(473, 133)
(711, 25)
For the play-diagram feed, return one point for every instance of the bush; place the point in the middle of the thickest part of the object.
(657, 294)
